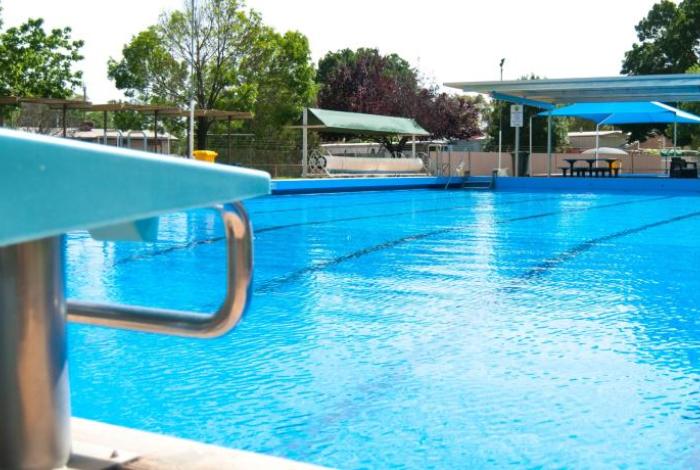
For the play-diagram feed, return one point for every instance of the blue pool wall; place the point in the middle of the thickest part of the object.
(330, 185)
(622, 184)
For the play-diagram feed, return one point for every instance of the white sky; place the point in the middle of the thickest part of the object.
(448, 40)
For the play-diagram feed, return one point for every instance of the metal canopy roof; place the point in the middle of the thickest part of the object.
(361, 123)
(545, 92)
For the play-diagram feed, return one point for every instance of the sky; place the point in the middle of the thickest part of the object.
(447, 40)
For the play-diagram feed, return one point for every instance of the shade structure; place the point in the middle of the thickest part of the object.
(632, 112)
(605, 151)
(360, 123)
(670, 88)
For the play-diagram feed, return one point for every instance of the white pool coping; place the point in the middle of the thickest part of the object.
(101, 446)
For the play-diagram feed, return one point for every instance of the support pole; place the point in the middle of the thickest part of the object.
(675, 136)
(34, 398)
(155, 132)
(529, 157)
(516, 170)
(305, 142)
(189, 136)
(549, 144)
(228, 141)
(500, 143)
(63, 119)
(597, 143)
(104, 127)
(413, 146)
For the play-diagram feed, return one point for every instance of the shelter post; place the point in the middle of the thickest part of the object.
(516, 169)
(189, 133)
(63, 119)
(500, 141)
(549, 144)
(597, 142)
(228, 140)
(413, 146)
(529, 163)
(155, 132)
(304, 142)
(104, 126)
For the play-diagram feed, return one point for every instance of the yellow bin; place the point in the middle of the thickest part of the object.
(205, 155)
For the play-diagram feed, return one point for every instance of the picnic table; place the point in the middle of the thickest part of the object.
(581, 171)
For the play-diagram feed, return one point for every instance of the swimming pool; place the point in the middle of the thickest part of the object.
(415, 329)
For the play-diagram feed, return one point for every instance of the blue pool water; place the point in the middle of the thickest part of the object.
(415, 329)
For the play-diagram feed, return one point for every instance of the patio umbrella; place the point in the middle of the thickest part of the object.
(604, 151)
(629, 112)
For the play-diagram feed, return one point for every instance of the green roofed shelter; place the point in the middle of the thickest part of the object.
(343, 122)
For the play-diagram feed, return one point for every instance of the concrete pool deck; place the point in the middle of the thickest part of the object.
(98, 446)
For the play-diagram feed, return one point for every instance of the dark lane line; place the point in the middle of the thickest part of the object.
(271, 284)
(206, 241)
(551, 263)
(392, 214)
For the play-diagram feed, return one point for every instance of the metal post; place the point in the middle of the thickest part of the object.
(228, 141)
(549, 144)
(189, 135)
(529, 158)
(155, 132)
(500, 122)
(63, 119)
(516, 170)
(193, 30)
(500, 142)
(597, 143)
(104, 122)
(305, 142)
(413, 146)
(34, 398)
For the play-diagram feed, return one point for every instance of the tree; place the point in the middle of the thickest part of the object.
(36, 63)
(282, 82)
(669, 40)
(228, 50)
(365, 81)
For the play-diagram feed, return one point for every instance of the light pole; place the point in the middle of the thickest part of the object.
(192, 78)
(500, 122)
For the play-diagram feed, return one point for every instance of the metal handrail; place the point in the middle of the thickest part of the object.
(239, 276)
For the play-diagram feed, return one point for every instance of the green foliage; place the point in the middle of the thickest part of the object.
(668, 39)
(366, 81)
(36, 63)
(282, 82)
(669, 42)
(237, 63)
(687, 134)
